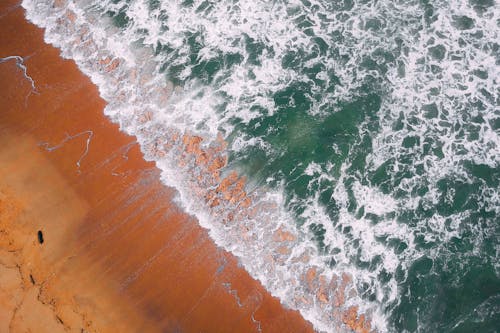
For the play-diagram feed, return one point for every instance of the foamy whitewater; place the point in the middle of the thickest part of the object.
(368, 133)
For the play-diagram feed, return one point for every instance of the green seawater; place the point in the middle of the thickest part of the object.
(448, 276)
(456, 287)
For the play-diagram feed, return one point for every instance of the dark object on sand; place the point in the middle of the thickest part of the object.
(40, 237)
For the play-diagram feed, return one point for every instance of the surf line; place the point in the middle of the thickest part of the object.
(204, 180)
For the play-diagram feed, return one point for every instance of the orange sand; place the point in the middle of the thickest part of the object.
(118, 255)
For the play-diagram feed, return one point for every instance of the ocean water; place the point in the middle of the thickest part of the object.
(367, 133)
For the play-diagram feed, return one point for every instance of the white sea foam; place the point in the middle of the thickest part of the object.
(438, 75)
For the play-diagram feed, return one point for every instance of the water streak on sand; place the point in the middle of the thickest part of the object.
(68, 137)
(233, 292)
(21, 65)
(257, 323)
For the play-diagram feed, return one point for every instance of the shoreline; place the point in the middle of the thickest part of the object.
(117, 254)
(249, 224)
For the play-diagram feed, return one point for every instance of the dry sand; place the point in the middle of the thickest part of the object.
(117, 254)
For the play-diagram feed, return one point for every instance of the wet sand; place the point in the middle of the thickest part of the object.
(117, 254)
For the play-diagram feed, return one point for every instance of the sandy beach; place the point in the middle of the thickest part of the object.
(90, 240)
